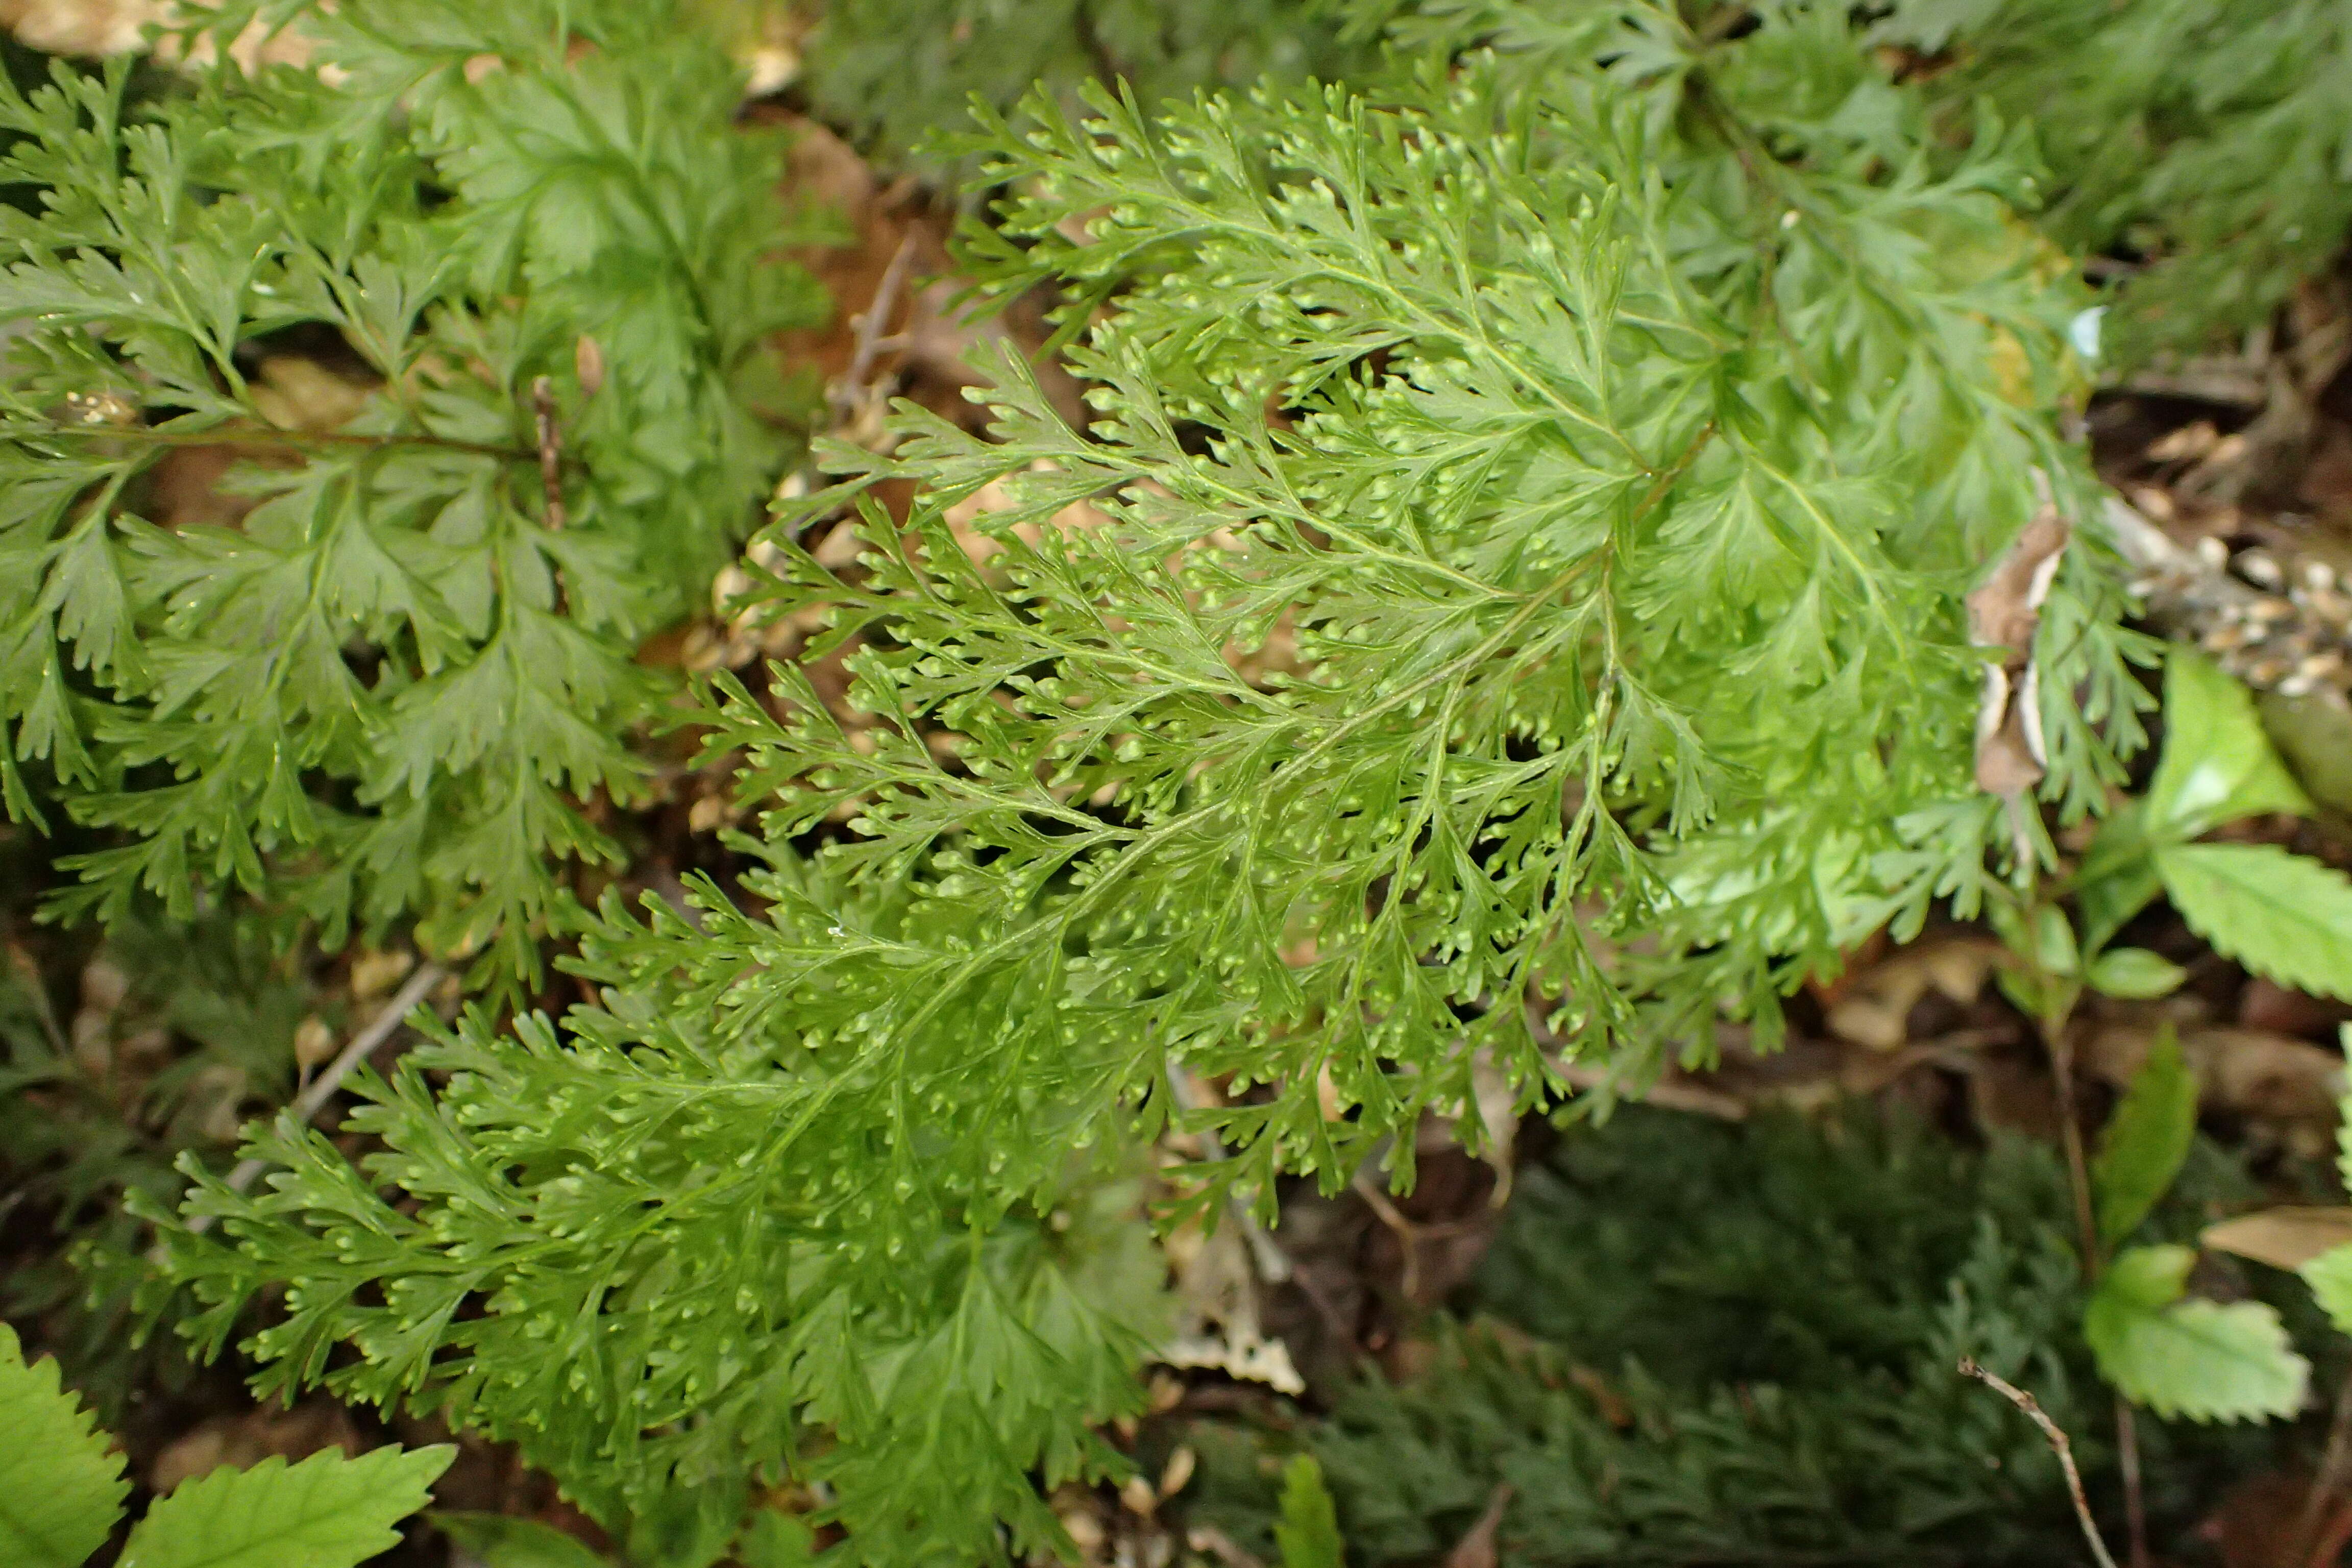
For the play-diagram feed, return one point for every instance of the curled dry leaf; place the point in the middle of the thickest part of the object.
(2003, 612)
(1875, 1008)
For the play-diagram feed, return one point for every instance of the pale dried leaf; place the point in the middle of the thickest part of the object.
(2282, 1237)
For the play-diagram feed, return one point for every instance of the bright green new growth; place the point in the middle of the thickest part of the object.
(1518, 517)
(389, 689)
(2281, 915)
(1309, 1533)
(61, 1491)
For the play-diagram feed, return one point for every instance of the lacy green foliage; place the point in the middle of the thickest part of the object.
(1514, 521)
(2212, 138)
(684, 1276)
(1743, 1350)
(896, 71)
(180, 1034)
(63, 1492)
(386, 692)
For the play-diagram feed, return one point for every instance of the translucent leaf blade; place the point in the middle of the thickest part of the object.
(2219, 766)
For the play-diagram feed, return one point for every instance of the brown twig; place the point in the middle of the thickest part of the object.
(1207, 1538)
(852, 393)
(2056, 1438)
(313, 1099)
(2329, 1547)
(2060, 1038)
(1368, 1187)
(550, 449)
(2334, 1471)
(254, 435)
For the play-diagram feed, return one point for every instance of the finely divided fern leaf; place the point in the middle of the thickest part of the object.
(389, 688)
(1511, 523)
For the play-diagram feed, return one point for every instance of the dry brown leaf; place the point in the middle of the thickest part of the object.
(2249, 1072)
(244, 1441)
(84, 27)
(1178, 1471)
(2003, 612)
(1877, 1003)
(296, 394)
(1476, 1547)
(2282, 1237)
(376, 973)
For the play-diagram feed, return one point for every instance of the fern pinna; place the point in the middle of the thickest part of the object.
(386, 690)
(1506, 604)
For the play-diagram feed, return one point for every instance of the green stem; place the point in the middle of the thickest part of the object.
(266, 435)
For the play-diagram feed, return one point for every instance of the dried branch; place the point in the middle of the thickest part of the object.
(2058, 1446)
(550, 449)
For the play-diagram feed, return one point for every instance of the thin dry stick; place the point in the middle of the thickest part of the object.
(2056, 1435)
(1368, 1187)
(853, 391)
(2060, 1041)
(313, 1099)
(550, 449)
(2335, 1469)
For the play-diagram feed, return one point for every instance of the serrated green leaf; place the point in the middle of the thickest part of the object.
(1308, 1532)
(2134, 974)
(504, 1541)
(61, 1487)
(2146, 1139)
(329, 1511)
(2218, 764)
(2281, 915)
(2329, 1275)
(2194, 1360)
